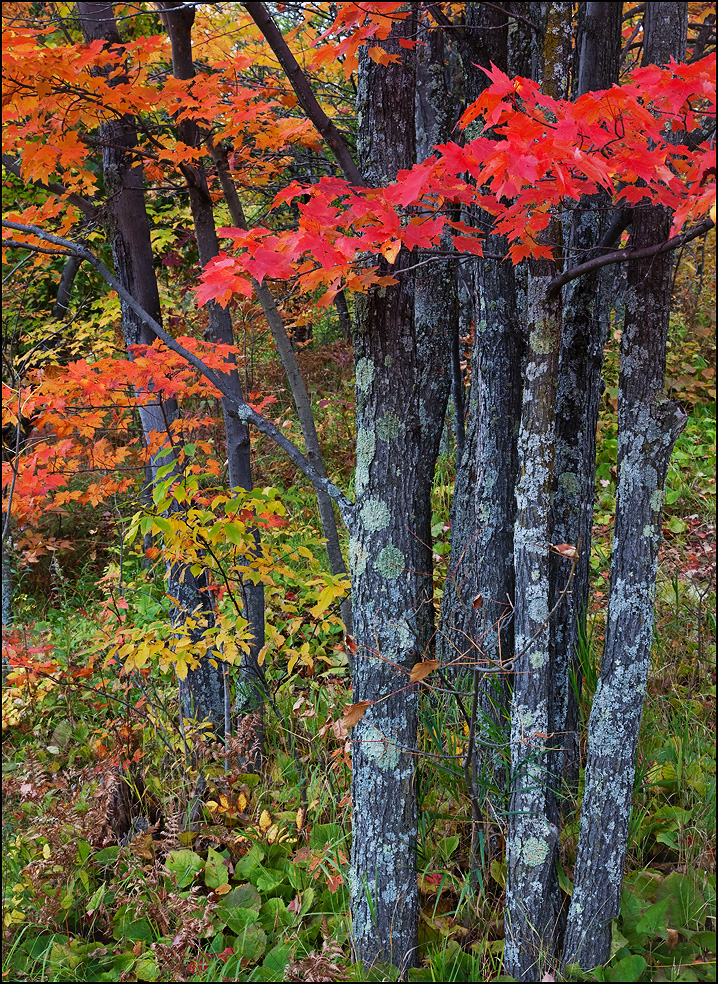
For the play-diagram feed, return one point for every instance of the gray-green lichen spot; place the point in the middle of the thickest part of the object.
(657, 497)
(534, 851)
(569, 483)
(543, 339)
(390, 562)
(375, 514)
(384, 754)
(537, 660)
(388, 427)
(388, 361)
(357, 556)
(648, 530)
(364, 375)
(366, 449)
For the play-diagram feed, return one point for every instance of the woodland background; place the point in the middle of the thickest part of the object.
(360, 691)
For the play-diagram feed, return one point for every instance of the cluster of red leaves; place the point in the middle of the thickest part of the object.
(541, 153)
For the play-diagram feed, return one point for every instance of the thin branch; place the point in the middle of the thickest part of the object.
(90, 210)
(628, 254)
(303, 91)
(243, 411)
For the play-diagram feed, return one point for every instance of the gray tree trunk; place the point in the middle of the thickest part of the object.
(586, 310)
(648, 426)
(128, 229)
(391, 560)
(532, 896)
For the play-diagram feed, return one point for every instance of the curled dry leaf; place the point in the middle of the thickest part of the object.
(477, 602)
(421, 670)
(350, 644)
(354, 712)
(565, 550)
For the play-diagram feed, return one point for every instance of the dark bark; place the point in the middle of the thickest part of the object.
(587, 306)
(250, 685)
(129, 231)
(648, 426)
(532, 895)
(390, 545)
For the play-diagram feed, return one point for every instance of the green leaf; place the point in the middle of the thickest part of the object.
(252, 943)
(277, 959)
(654, 920)
(687, 907)
(629, 969)
(216, 872)
(185, 864)
(269, 880)
(242, 897)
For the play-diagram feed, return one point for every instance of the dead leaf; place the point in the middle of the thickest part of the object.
(353, 713)
(421, 670)
(566, 550)
(477, 602)
(350, 644)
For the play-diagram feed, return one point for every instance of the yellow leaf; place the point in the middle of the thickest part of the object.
(223, 889)
(421, 670)
(391, 250)
(241, 802)
(46, 852)
(265, 821)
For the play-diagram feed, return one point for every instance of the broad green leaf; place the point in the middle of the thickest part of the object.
(185, 864)
(216, 872)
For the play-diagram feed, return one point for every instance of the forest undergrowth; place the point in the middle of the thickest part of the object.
(123, 860)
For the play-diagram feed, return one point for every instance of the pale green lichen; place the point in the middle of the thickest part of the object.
(390, 562)
(648, 530)
(357, 556)
(568, 481)
(388, 361)
(388, 427)
(537, 660)
(366, 449)
(657, 497)
(364, 375)
(375, 514)
(543, 339)
(534, 851)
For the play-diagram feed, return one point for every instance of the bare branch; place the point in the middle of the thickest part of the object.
(630, 253)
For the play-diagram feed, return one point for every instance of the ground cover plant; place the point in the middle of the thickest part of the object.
(358, 492)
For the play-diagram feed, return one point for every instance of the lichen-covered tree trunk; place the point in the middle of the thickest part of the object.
(586, 310)
(476, 627)
(390, 545)
(648, 426)
(129, 232)
(532, 896)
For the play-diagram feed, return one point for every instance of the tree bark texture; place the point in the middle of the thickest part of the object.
(129, 230)
(533, 905)
(390, 543)
(586, 310)
(648, 426)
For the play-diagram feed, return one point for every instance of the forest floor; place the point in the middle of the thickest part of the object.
(103, 879)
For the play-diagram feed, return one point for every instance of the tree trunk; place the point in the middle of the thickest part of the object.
(391, 559)
(586, 310)
(648, 426)
(128, 228)
(532, 894)
(250, 686)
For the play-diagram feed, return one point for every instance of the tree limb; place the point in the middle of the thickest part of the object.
(90, 210)
(630, 253)
(243, 411)
(303, 91)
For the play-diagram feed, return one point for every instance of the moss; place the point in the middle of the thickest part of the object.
(390, 562)
(375, 514)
